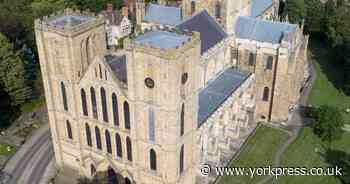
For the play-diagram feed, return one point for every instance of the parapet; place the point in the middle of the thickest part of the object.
(164, 41)
(69, 21)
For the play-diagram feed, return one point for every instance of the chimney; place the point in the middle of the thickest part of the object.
(109, 8)
(125, 11)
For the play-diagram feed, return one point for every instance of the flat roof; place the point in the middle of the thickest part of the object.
(70, 20)
(162, 39)
(163, 14)
(218, 91)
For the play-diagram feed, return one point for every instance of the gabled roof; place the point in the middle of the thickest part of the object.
(118, 65)
(260, 6)
(162, 39)
(163, 14)
(262, 30)
(217, 92)
(210, 31)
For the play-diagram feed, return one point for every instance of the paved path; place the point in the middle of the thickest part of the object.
(30, 162)
(294, 125)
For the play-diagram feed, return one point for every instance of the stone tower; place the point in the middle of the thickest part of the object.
(140, 11)
(225, 11)
(67, 44)
(163, 84)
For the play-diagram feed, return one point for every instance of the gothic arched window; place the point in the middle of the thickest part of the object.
(182, 120)
(218, 10)
(92, 170)
(108, 142)
(251, 59)
(151, 124)
(129, 148)
(182, 159)
(193, 7)
(93, 103)
(266, 94)
(127, 115)
(69, 130)
(153, 160)
(83, 102)
(87, 49)
(88, 135)
(64, 96)
(269, 63)
(98, 138)
(115, 109)
(118, 143)
(104, 104)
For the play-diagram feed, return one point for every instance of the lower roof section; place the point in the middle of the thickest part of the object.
(218, 91)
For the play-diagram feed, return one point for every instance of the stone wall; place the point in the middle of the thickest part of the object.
(221, 136)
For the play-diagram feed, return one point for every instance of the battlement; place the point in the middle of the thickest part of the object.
(163, 41)
(69, 21)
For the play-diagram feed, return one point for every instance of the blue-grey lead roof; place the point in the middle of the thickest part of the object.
(210, 31)
(118, 65)
(70, 20)
(262, 30)
(260, 6)
(163, 14)
(217, 92)
(162, 39)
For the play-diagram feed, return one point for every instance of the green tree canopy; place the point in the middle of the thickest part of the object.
(329, 123)
(12, 73)
(296, 11)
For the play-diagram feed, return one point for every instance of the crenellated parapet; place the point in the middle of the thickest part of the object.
(69, 22)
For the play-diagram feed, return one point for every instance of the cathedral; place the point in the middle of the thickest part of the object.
(187, 89)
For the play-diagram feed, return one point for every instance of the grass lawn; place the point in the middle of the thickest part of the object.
(7, 150)
(329, 79)
(308, 151)
(258, 152)
(33, 105)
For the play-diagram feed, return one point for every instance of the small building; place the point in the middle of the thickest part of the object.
(118, 24)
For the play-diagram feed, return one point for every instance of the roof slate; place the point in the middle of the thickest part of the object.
(260, 6)
(162, 39)
(118, 65)
(217, 92)
(163, 14)
(210, 31)
(262, 30)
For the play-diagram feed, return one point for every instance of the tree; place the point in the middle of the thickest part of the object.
(12, 73)
(296, 11)
(338, 26)
(314, 21)
(340, 159)
(329, 123)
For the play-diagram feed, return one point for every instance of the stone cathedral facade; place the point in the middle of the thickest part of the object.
(187, 89)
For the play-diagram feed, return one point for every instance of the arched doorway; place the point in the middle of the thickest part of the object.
(112, 176)
(127, 180)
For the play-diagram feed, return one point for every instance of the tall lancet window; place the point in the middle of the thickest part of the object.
(218, 10)
(151, 124)
(93, 103)
(64, 96)
(193, 7)
(104, 105)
